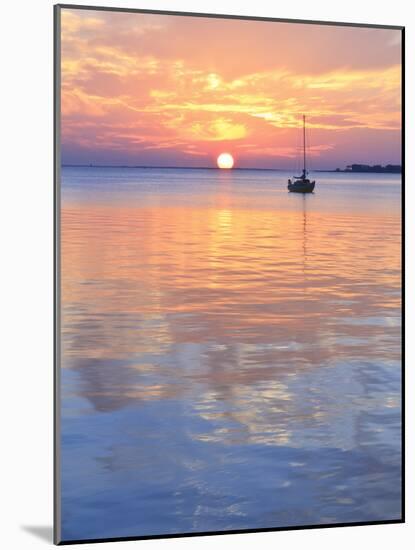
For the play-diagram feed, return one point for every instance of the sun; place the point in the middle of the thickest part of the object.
(225, 160)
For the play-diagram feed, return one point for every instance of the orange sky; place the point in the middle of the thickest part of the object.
(177, 91)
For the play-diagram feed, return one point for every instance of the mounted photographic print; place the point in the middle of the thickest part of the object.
(228, 215)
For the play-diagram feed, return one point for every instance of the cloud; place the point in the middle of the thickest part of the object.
(190, 85)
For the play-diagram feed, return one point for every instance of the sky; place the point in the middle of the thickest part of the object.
(157, 90)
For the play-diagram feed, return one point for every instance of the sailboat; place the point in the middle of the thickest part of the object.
(301, 184)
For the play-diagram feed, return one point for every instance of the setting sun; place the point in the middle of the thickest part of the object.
(225, 160)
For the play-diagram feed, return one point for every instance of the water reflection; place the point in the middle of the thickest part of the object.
(228, 366)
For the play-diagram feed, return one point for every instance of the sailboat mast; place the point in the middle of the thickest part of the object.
(304, 142)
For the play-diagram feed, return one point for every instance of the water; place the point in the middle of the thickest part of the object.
(230, 351)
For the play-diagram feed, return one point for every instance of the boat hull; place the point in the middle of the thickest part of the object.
(301, 187)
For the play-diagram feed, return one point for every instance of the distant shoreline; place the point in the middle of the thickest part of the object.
(358, 171)
(367, 169)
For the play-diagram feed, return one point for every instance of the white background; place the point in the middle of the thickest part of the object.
(26, 306)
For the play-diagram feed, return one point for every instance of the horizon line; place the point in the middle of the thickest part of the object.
(64, 165)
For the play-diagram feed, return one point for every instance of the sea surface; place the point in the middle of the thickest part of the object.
(231, 352)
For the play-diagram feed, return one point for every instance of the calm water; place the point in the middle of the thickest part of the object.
(230, 351)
